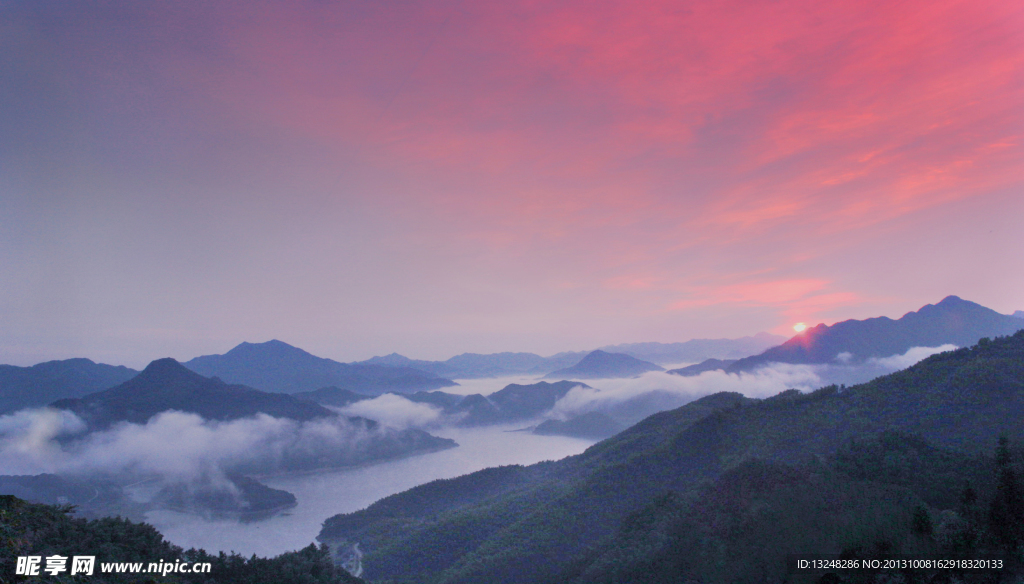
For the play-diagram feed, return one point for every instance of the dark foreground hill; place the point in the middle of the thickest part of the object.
(166, 385)
(38, 385)
(601, 365)
(952, 321)
(246, 498)
(280, 367)
(722, 489)
(28, 529)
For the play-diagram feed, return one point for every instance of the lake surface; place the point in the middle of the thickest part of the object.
(322, 495)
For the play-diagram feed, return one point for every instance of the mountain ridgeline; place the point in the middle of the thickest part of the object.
(166, 385)
(279, 367)
(292, 434)
(512, 403)
(603, 365)
(475, 365)
(38, 385)
(901, 464)
(951, 321)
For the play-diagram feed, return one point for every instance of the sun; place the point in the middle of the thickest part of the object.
(799, 327)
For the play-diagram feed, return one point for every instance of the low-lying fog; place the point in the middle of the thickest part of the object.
(630, 400)
(324, 494)
(321, 495)
(183, 445)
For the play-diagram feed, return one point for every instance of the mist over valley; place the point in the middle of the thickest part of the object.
(225, 467)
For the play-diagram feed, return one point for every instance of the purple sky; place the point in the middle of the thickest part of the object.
(357, 178)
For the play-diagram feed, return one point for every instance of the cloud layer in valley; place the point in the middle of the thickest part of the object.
(397, 412)
(177, 446)
(633, 399)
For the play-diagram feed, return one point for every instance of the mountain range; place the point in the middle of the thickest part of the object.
(514, 402)
(38, 385)
(167, 385)
(475, 365)
(280, 367)
(952, 321)
(694, 494)
(696, 350)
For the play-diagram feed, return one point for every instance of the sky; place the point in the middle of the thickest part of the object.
(432, 178)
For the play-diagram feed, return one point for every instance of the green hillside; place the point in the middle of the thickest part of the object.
(727, 478)
(28, 529)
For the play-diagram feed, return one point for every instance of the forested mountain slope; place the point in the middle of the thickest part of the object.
(669, 479)
(28, 529)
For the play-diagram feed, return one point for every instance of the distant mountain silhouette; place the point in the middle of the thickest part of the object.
(280, 367)
(332, 396)
(526, 401)
(707, 365)
(498, 364)
(167, 385)
(438, 368)
(1019, 314)
(599, 364)
(592, 426)
(512, 403)
(476, 365)
(445, 401)
(478, 411)
(698, 349)
(38, 385)
(953, 320)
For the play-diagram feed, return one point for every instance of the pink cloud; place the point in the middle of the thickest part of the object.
(699, 154)
(851, 113)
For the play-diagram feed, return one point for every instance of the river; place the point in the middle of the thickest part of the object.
(321, 495)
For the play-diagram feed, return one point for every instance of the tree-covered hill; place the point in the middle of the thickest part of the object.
(29, 529)
(856, 466)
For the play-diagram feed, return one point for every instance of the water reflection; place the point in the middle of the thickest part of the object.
(324, 494)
